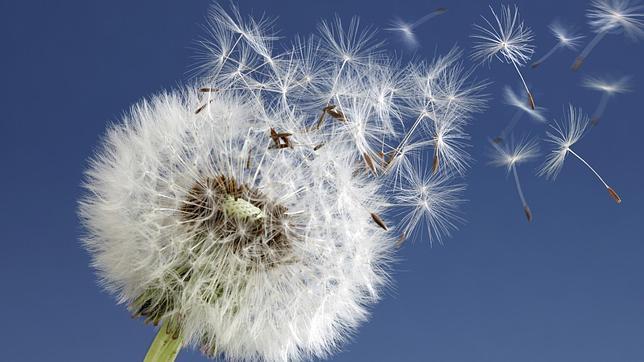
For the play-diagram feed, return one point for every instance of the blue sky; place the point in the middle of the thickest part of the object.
(567, 287)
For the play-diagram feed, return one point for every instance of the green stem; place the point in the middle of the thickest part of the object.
(164, 348)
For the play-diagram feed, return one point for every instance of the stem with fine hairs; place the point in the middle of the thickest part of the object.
(611, 192)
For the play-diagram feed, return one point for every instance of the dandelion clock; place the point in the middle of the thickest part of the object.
(248, 214)
(209, 225)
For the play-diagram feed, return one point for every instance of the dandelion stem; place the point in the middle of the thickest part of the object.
(546, 56)
(165, 347)
(526, 208)
(599, 111)
(519, 189)
(584, 53)
(595, 172)
(525, 85)
(510, 126)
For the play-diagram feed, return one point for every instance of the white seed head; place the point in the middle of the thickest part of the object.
(249, 213)
(257, 252)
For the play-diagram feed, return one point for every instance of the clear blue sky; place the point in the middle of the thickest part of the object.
(567, 287)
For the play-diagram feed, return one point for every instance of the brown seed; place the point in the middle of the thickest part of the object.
(614, 195)
(594, 121)
(378, 221)
(201, 108)
(208, 90)
(320, 120)
(250, 152)
(435, 163)
(531, 101)
(528, 213)
(317, 147)
(577, 64)
(369, 162)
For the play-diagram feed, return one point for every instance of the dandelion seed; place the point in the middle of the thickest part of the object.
(511, 155)
(428, 199)
(406, 30)
(513, 99)
(608, 87)
(563, 137)
(506, 39)
(612, 17)
(379, 221)
(565, 39)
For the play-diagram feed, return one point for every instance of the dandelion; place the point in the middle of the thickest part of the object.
(511, 155)
(563, 137)
(513, 99)
(506, 39)
(406, 30)
(273, 261)
(612, 17)
(565, 39)
(608, 87)
(247, 214)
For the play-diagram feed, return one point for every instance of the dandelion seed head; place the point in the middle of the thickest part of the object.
(180, 228)
(248, 210)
